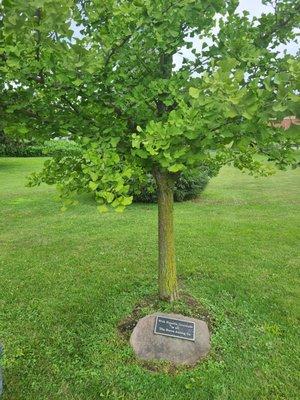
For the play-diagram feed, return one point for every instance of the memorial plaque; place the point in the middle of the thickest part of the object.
(175, 328)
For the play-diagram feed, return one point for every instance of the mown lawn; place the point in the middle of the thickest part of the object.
(67, 279)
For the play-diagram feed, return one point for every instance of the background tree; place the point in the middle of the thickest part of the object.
(101, 72)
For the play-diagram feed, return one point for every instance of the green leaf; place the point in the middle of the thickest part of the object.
(116, 202)
(267, 83)
(94, 176)
(114, 141)
(253, 108)
(279, 107)
(239, 75)
(109, 197)
(136, 143)
(138, 3)
(176, 168)
(22, 129)
(234, 100)
(93, 185)
(102, 208)
(78, 82)
(194, 92)
(295, 98)
(228, 63)
(281, 77)
(247, 115)
(126, 201)
(120, 209)
(230, 112)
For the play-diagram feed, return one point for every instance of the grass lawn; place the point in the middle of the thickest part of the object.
(68, 279)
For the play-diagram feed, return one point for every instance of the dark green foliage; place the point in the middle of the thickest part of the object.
(294, 133)
(189, 185)
(10, 147)
(61, 148)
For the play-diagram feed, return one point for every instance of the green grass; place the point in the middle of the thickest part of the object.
(67, 279)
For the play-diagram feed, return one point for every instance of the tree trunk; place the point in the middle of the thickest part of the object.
(167, 278)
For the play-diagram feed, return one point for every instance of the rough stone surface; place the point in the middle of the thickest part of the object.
(150, 346)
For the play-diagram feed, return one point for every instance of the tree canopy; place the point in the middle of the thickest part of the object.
(101, 72)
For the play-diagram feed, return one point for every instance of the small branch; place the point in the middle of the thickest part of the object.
(71, 105)
(38, 15)
(221, 126)
(115, 49)
(281, 23)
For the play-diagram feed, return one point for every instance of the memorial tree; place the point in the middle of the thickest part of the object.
(148, 87)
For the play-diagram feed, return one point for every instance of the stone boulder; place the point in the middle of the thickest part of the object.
(148, 345)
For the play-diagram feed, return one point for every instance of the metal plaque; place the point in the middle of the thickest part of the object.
(176, 328)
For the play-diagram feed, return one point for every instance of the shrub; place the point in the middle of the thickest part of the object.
(189, 185)
(11, 147)
(61, 148)
(17, 149)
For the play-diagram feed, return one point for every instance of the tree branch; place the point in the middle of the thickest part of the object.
(71, 105)
(281, 23)
(115, 49)
(38, 15)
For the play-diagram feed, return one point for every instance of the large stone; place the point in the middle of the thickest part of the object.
(150, 346)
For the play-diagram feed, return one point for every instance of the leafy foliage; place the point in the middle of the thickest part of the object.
(114, 90)
(61, 148)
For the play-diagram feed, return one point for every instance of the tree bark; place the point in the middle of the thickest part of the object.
(167, 278)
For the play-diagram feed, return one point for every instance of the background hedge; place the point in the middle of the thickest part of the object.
(189, 185)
